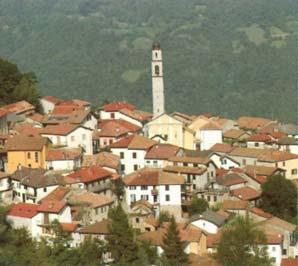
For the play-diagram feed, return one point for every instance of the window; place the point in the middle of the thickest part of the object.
(194, 186)
(137, 220)
(135, 167)
(195, 165)
(144, 187)
(132, 187)
(96, 211)
(167, 197)
(29, 165)
(36, 157)
(122, 167)
(132, 197)
(166, 136)
(72, 138)
(294, 171)
(28, 155)
(273, 249)
(112, 115)
(144, 197)
(156, 54)
(193, 177)
(208, 198)
(167, 187)
(211, 174)
(244, 162)
(122, 155)
(224, 161)
(110, 141)
(283, 163)
(256, 144)
(185, 164)
(156, 70)
(44, 189)
(215, 198)
(134, 155)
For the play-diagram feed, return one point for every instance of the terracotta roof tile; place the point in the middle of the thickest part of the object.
(260, 212)
(234, 133)
(234, 205)
(95, 200)
(252, 122)
(25, 143)
(211, 126)
(151, 177)
(136, 114)
(63, 154)
(27, 129)
(69, 227)
(88, 174)
(36, 117)
(184, 170)
(99, 228)
(51, 206)
(222, 147)
(103, 159)
(60, 129)
(134, 142)
(246, 193)
(18, 107)
(185, 159)
(247, 152)
(52, 99)
(162, 151)
(259, 138)
(58, 194)
(289, 262)
(24, 210)
(117, 128)
(261, 170)
(116, 106)
(230, 179)
(276, 156)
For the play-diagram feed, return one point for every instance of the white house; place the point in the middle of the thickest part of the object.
(161, 189)
(223, 161)
(288, 144)
(210, 134)
(48, 103)
(5, 188)
(208, 221)
(69, 135)
(30, 185)
(132, 151)
(64, 159)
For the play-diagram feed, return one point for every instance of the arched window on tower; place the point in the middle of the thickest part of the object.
(156, 55)
(156, 70)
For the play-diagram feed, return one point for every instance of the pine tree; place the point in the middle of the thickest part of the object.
(173, 247)
(121, 242)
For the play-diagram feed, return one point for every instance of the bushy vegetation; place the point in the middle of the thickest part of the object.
(228, 57)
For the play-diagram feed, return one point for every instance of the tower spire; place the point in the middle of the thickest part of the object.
(157, 80)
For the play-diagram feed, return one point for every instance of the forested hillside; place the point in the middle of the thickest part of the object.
(229, 57)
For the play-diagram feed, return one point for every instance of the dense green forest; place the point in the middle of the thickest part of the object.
(229, 57)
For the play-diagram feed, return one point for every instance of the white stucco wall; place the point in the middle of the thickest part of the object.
(210, 137)
(206, 225)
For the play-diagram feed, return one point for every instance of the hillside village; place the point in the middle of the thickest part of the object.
(72, 163)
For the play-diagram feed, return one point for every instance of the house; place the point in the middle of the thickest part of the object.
(28, 151)
(252, 124)
(93, 207)
(173, 130)
(239, 207)
(34, 119)
(71, 105)
(210, 134)
(94, 179)
(279, 159)
(161, 189)
(132, 151)
(223, 161)
(64, 159)
(69, 135)
(289, 262)
(124, 111)
(48, 103)
(25, 215)
(114, 130)
(140, 211)
(288, 144)
(208, 221)
(19, 108)
(245, 156)
(222, 148)
(30, 185)
(259, 141)
(5, 188)
(246, 193)
(96, 230)
(106, 160)
(236, 136)
(158, 155)
(193, 238)
(80, 117)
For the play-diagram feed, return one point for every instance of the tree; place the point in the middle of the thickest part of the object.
(164, 216)
(173, 247)
(279, 197)
(242, 244)
(121, 241)
(197, 205)
(16, 86)
(118, 188)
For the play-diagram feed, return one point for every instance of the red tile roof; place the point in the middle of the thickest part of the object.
(69, 227)
(61, 129)
(24, 210)
(116, 106)
(260, 212)
(252, 122)
(151, 177)
(36, 117)
(63, 154)
(187, 159)
(88, 174)
(259, 138)
(95, 200)
(58, 194)
(117, 128)
(27, 129)
(234, 205)
(276, 156)
(134, 142)
(25, 143)
(18, 107)
(99, 228)
(51, 206)
(162, 151)
(222, 147)
(103, 159)
(3, 112)
(246, 193)
(234, 133)
(289, 262)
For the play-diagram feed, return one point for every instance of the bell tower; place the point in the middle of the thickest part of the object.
(157, 81)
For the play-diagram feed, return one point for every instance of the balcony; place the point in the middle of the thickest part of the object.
(154, 192)
(99, 187)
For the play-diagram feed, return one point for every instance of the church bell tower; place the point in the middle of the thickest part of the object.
(157, 81)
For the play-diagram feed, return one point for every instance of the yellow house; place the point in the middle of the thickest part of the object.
(28, 151)
(171, 130)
